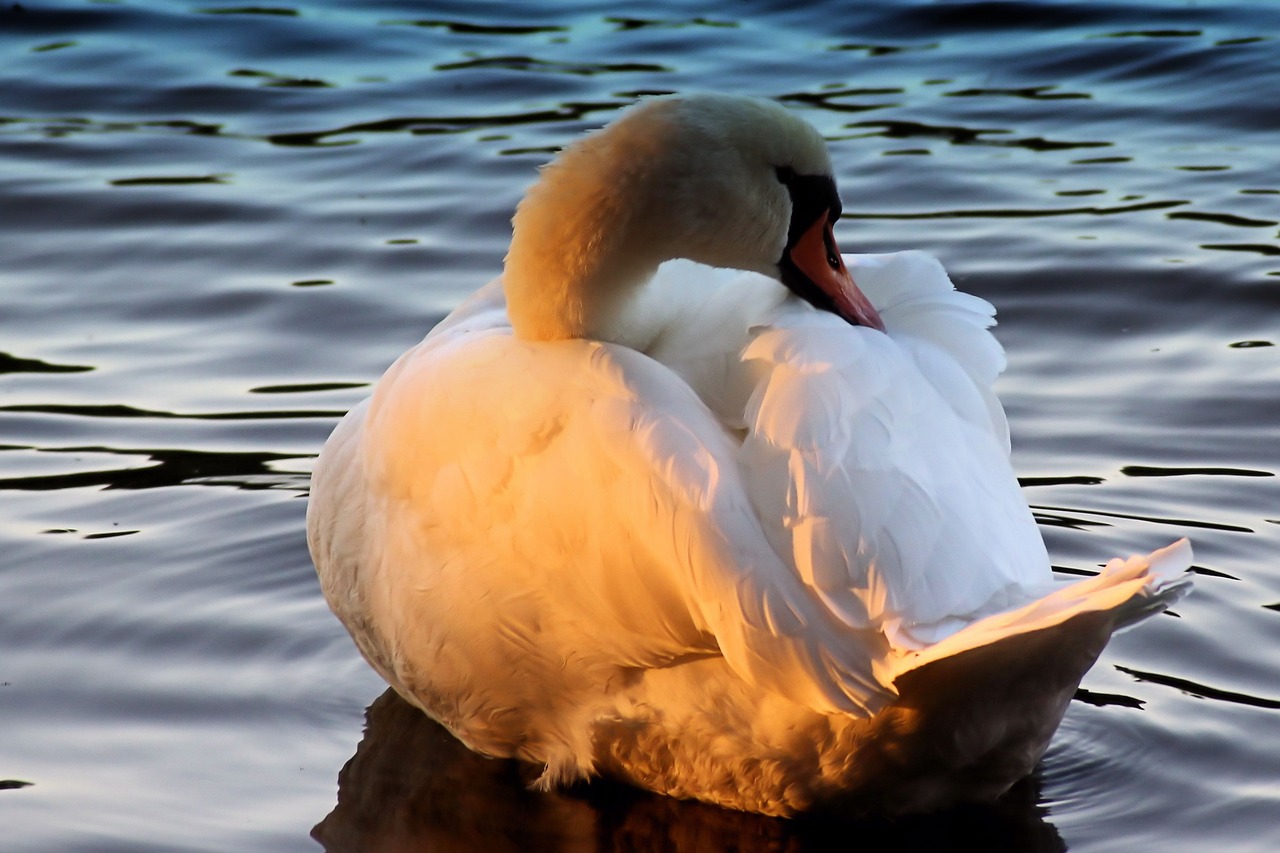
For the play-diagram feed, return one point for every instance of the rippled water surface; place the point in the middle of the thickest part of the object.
(220, 223)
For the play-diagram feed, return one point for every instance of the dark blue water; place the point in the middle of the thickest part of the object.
(220, 223)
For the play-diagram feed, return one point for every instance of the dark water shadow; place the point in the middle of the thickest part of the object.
(412, 786)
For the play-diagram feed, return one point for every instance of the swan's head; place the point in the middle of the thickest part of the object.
(722, 180)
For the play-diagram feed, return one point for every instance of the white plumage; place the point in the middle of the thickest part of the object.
(684, 528)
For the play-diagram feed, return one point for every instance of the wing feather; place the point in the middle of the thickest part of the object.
(586, 487)
(880, 464)
(580, 489)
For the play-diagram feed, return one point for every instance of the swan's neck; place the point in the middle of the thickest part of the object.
(694, 178)
(584, 244)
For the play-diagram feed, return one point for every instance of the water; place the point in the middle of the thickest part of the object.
(220, 223)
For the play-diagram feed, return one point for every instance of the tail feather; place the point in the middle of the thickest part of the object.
(1167, 582)
(975, 711)
(1130, 590)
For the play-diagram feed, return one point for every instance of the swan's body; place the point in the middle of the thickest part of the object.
(682, 527)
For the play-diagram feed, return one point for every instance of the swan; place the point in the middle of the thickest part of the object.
(689, 499)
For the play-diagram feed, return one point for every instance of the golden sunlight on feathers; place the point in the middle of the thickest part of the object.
(684, 528)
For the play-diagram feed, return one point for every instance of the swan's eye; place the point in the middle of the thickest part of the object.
(829, 242)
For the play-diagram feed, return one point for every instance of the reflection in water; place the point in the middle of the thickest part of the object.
(412, 786)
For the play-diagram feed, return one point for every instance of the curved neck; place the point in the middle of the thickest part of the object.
(584, 243)
(694, 177)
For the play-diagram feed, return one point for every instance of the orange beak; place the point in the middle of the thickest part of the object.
(817, 258)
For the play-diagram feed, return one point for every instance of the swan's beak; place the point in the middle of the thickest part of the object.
(814, 270)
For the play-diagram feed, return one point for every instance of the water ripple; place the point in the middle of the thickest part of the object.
(1021, 213)
(222, 221)
(164, 467)
(421, 125)
(1201, 691)
(14, 364)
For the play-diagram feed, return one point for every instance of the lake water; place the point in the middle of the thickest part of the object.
(219, 224)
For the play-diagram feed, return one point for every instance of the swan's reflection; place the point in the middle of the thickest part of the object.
(412, 786)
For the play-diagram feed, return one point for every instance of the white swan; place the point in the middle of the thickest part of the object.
(701, 524)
